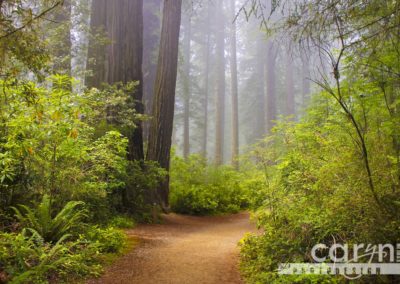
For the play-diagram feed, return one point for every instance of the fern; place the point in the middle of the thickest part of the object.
(51, 229)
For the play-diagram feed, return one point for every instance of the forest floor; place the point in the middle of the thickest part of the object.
(183, 250)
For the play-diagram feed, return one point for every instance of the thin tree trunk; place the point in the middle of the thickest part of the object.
(186, 87)
(260, 88)
(220, 106)
(234, 90)
(164, 95)
(206, 84)
(306, 79)
(290, 100)
(62, 49)
(271, 85)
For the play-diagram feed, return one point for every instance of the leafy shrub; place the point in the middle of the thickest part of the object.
(199, 189)
(106, 240)
(122, 222)
(51, 229)
(26, 258)
(316, 191)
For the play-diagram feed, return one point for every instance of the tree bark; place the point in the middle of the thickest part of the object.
(62, 49)
(206, 84)
(234, 91)
(97, 52)
(186, 86)
(121, 60)
(306, 79)
(220, 105)
(164, 95)
(260, 88)
(290, 100)
(271, 85)
(151, 41)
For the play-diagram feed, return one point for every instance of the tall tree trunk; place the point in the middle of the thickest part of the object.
(132, 33)
(62, 49)
(220, 106)
(164, 94)
(206, 84)
(290, 100)
(186, 86)
(260, 88)
(121, 60)
(234, 91)
(97, 54)
(306, 79)
(271, 85)
(151, 41)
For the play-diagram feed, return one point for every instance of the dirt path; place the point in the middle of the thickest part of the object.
(183, 250)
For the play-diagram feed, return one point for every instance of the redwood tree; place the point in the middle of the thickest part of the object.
(160, 132)
(220, 106)
(234, 91)
(121, 59)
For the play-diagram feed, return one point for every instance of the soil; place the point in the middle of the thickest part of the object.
(183, 250)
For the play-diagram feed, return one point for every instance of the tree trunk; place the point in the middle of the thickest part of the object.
(97, 52)
(151, 41)
(206, 84)
(62, 49)
(121, 60)
(271, 85)
(290, 100)
(260, 88)
(306, 79)
(234, 91)
(164, 94)
(220, 105)
(186, 86)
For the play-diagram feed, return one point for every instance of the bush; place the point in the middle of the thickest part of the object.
(58, 247)
(313, 195)
(51, 229)
(199, 189)
(122, 222)
(26, 258)
(106, 240)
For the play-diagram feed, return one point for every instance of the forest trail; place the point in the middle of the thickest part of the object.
(183, 250)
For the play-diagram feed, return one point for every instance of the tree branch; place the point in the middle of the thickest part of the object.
(31, 20)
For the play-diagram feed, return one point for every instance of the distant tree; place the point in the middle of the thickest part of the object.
(161, 127)
(259, 109)
(220, 105)
(186, 84)
(61, 44)
(271, 84)
(290, 95)
(234, 90)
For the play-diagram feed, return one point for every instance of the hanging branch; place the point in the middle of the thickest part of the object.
(42, 14)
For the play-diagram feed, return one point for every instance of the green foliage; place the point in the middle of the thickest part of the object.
(316, 191)
(122, 222)
(50, 144)
(52, 229)
(66, 150)
(27, 258)
(199, 189)
(51, 248)
(106, 240)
